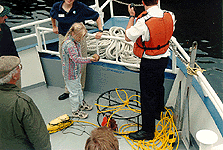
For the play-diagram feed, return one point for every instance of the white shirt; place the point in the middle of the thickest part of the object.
(140, 29)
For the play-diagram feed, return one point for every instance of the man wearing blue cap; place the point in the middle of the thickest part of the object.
(7, 45)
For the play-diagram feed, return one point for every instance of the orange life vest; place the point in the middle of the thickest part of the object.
(161, 30)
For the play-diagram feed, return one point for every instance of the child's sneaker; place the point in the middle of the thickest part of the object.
(80, 114)
(85, 106)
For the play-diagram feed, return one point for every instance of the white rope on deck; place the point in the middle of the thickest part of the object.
(111, 49)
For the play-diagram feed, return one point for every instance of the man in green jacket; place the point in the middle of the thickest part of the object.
(21, 124)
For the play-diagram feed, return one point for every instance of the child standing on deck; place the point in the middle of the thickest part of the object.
(72, 61)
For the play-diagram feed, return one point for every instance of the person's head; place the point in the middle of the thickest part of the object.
(102, 138)
(77, 31)
(9, 69)
(150, 2)
(4, 11)
(69, 1)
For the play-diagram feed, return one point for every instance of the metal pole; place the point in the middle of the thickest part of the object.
(184, 115)
(174, 60)
(97, 5)
(159, 3)
(111, 9)
(39, 40)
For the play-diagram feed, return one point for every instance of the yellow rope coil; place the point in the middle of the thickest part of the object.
(165, 134)
(193, 71)
(164, 137)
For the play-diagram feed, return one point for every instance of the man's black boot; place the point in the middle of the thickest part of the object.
(63, 96)
(141, 135)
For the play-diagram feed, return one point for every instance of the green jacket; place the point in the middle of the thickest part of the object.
(21, 124)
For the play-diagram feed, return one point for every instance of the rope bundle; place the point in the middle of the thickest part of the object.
(102, 45)
(166, 132)
(165, 135)
(110, 49)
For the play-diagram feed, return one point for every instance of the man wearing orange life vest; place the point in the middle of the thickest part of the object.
(151, 34)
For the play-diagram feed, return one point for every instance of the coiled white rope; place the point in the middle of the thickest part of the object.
(108, 47)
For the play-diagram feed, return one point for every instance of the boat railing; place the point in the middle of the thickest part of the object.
(35, 23)
(41, 43)
(205, 85)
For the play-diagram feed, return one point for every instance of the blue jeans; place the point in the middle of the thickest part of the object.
(76, 93)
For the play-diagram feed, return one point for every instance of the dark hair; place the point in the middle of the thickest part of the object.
(150, 2)
(102, 138)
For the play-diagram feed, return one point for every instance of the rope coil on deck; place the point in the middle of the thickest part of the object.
(165, 134)
(108, 47)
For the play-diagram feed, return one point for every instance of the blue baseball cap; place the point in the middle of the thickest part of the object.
(4, 11)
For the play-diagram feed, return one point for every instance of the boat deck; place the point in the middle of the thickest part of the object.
(49, 71)
(51, 108)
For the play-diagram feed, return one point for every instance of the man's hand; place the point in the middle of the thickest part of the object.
(55, 30)
(131, 20)
(131, 10)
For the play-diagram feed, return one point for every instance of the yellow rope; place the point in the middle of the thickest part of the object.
(166, 136)
(125, 103)
(193, 71)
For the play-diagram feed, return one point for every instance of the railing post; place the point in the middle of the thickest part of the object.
(44, 40)
(116, 51)
(174, 60)
(185, 115)
(38, 37)
(111, 9)
(97, 5)
(100, 12)
(159, 4)
(97, 46)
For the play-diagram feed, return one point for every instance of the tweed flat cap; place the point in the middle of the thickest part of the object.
(4, 10)
(7, 64)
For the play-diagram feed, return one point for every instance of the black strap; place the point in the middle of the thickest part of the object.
(149, 48)
(154, 48)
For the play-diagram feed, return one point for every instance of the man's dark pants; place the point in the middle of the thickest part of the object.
(152, 91)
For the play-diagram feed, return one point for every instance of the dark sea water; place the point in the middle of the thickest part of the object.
(196, 20)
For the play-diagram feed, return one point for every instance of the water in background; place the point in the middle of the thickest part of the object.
(196, 20)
